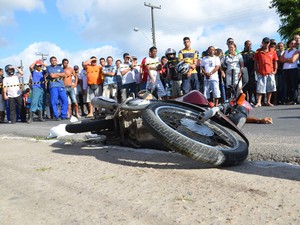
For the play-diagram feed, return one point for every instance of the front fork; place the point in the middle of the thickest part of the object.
(204, 116)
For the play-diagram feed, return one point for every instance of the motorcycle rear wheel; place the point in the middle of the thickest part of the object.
(90, 126)
(176, 127)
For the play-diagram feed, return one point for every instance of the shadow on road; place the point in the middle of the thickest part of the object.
(289, 117)
(149, 158)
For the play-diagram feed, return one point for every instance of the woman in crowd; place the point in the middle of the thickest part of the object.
(233, 64)
(290, 72)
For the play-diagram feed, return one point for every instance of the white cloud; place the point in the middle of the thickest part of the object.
(207, 22)
(28, 55)
(27, 5)
(8, 8)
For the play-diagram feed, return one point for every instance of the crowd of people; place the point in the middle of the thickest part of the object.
(58, 91)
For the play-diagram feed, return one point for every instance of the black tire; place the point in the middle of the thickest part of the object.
(171, 124)
(90, 125)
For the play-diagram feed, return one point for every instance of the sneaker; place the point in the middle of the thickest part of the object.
(78, 116)
(57, 119)
(89, 116)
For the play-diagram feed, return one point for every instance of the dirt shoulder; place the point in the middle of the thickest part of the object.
(59, 183)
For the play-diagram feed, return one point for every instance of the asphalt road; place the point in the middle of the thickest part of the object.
(278, 142)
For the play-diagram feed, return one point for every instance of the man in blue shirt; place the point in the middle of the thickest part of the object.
(37, 80)
(55, 75)
(110, 82)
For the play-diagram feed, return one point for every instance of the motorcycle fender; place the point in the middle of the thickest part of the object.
(225, 121)
(136, 104)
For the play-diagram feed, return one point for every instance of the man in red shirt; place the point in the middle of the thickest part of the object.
(144, 74)
(265, 64)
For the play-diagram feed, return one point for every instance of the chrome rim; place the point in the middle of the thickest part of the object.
(184, 121)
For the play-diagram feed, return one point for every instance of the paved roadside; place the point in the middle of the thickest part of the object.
(278, 142)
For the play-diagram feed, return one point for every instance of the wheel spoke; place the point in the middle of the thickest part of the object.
(173, 118)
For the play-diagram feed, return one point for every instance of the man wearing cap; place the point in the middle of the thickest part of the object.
(265, 64)
(94, 80)
(128, 82)
(37, 81)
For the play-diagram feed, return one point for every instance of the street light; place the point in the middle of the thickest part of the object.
(136, 29)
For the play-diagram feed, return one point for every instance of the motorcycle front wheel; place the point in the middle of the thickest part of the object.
(177, 127)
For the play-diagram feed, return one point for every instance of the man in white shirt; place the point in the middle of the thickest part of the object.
(128, 81)
(153, 66)
(210, 66)
(12, 91)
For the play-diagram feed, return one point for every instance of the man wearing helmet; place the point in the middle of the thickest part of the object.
(188, 55)
(37, 80)
(172, 75)
(12, 91)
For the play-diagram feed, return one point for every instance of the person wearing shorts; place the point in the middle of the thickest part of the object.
(265, 64)
(210, 65)
(94, 81)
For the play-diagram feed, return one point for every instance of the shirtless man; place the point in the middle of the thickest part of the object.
(70, 82)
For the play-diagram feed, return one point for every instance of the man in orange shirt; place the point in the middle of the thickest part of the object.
(265, 64)
(94, 80)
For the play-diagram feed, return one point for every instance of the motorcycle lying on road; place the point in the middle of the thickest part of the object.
(186, 125)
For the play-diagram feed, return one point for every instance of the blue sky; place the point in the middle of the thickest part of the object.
(76, 29)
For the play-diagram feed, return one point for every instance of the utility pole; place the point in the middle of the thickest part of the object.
(44, 55)
(152, 18)
(22, 78)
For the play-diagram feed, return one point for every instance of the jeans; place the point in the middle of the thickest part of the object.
(59, 93)
(190, 83)
(291, 80)
(71, 94)
(127, 89)
(38, 98)
(15, 105)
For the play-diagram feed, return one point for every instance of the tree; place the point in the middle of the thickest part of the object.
(289, 14)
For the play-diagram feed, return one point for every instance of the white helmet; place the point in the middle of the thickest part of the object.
(182, 67)
(170, 51)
